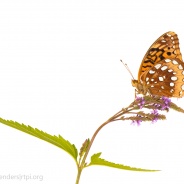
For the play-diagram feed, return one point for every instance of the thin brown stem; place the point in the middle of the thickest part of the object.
(113, 118)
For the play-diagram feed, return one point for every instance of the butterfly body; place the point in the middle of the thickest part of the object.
(161, 72)
(141, 87)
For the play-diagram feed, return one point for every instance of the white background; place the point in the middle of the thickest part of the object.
(60, 71)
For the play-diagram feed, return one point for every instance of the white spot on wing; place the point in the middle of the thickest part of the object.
(180, 67)
(174, 62)
(164, 68)
(162, 87)
(151, 72)
(167, 60)
(174, 78)
(157, 66)
(172, 84)
(170, 70)
(161, 79)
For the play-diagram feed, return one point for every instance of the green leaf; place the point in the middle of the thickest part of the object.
(96, 160)
(58, 141)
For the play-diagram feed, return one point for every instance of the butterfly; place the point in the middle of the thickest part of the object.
(161, 72)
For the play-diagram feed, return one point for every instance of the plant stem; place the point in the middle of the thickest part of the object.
(113, 118)
(78, 175)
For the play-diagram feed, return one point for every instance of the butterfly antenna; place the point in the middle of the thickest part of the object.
(126, 66)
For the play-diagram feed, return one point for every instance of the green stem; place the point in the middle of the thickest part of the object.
(78, 175)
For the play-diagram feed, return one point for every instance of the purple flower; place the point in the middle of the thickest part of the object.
(138, 122)
(140, 101)
(166, 104)
(155, 113)
(155, 104)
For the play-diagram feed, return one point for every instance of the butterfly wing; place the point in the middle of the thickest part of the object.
(166, 46)
(165, 78)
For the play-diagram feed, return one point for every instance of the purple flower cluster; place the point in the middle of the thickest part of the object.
(140, 101)
(138, 122)
(167, 102)
(165, 105)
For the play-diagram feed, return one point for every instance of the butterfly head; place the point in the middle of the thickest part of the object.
(140, 88)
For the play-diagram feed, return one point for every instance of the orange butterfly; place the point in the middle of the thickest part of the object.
(161, 72)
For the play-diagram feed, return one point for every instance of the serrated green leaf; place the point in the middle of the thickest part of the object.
(58, 141)
(96, 160)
